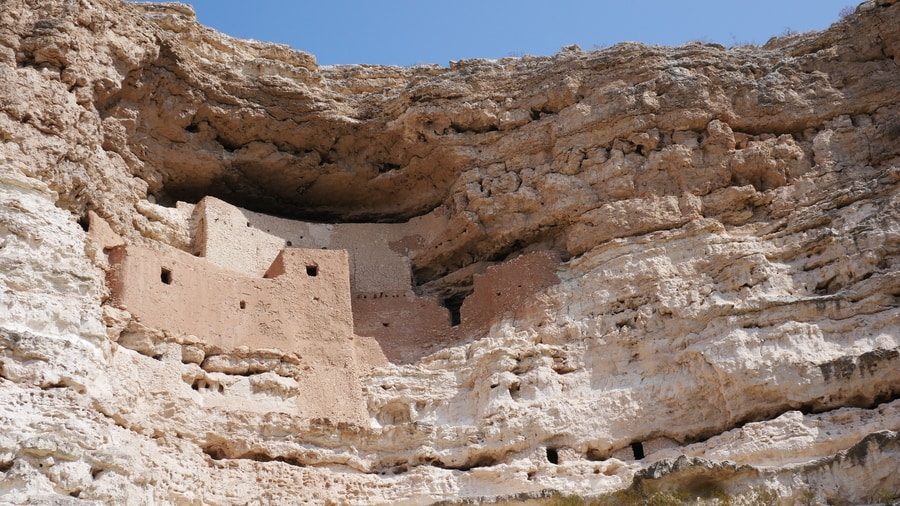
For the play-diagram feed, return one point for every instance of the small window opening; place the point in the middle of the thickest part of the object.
(312, 270)
(248, 224)
(385, 324)
(243, 304)
(165, 275)
(454, 306)
(638, 449)
(552, 456)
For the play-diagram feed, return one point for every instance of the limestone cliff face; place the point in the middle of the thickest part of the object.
(726, 316)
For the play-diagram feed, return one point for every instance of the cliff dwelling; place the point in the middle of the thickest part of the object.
(629, 275)
(259, 281)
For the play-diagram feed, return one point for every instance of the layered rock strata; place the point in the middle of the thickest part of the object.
(721, 315)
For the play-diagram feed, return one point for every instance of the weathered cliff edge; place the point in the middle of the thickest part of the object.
(728, 296)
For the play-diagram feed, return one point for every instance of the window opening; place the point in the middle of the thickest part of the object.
(454, 305)
(165, 275)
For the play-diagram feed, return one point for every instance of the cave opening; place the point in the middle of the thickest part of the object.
(552, 455)
(638, 449)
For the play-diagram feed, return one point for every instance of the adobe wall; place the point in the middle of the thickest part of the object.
(226, 238)
(406, 326)
(503, 288)
(244, 241)
(172, 290)
(301, 307)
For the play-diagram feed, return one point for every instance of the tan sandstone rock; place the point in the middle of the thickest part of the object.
(629, 271)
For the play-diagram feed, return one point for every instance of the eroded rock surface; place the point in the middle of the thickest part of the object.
(723, 317)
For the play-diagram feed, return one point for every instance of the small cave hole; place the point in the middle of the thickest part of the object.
(289, 243)
(638, 449)
(85, 222)
(95, 472)
(385, 324)
(387, 167)
(6, 466)
(552, 456)
(436, 463)
(807, 408)
(75, 493)
(595, 455)
(165, 275)
(243, 304)
(214, 452)
(227, 145)
(312, 270)
(248, 224)
(193, 128)
(640, 150)
(474, 462)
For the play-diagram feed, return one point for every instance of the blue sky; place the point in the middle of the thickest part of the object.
(406, 32)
